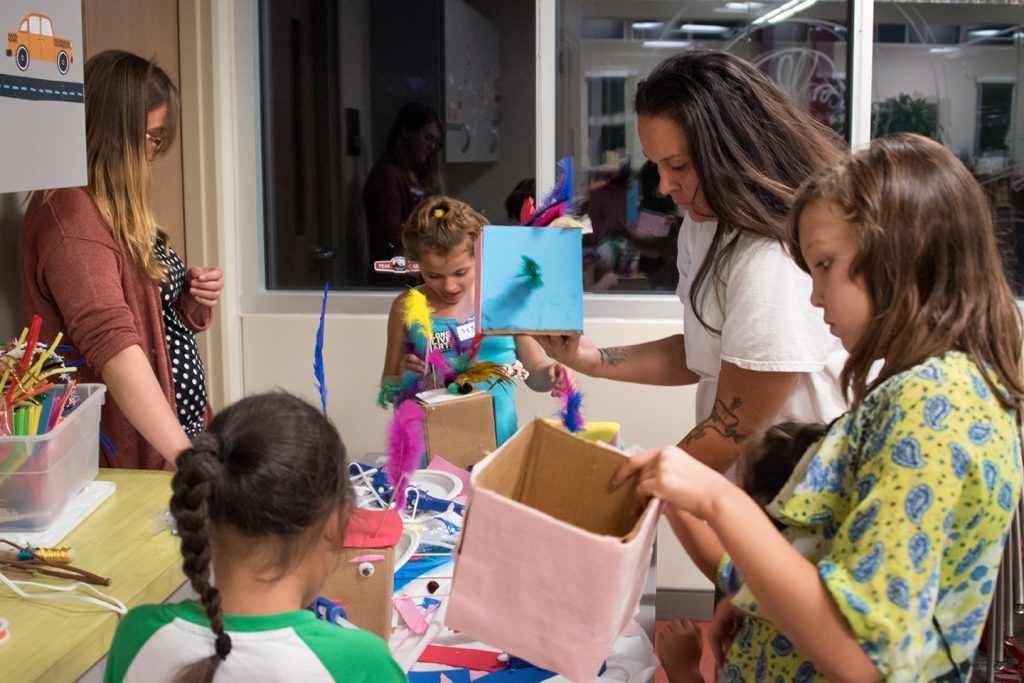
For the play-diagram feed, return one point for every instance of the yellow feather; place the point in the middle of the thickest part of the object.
(417, 312)
(485, 371)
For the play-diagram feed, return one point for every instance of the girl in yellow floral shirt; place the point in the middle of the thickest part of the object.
(895, 520)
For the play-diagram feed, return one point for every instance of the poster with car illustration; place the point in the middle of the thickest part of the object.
(41, 95)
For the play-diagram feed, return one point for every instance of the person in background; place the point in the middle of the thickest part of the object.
(895, 522)
(407, 172)
(261, 500)
(440, 236)
(95, 265)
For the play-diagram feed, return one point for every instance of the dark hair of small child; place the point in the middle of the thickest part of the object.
(768, 464)
(527, 187)
(269, 471)
(440, 224)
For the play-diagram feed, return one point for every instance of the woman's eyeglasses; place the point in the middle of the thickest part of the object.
(154, 143)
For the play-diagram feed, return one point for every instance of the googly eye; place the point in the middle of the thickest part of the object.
(366, 569)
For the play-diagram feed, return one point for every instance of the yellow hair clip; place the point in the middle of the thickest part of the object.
(438, 213)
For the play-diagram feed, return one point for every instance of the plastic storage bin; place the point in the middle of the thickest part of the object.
(39, 474)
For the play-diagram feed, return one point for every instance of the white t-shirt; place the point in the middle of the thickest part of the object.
(763, 309)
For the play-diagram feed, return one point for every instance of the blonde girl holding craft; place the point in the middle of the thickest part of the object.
(439, 236)
(262, 501)
(900, 512)
(95, 265)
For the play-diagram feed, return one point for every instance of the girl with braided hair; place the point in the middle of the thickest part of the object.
(261, 501)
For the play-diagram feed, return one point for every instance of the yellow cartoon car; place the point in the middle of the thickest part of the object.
(35, 39)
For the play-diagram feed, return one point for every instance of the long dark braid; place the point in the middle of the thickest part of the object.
(271, 467)
(198, 468)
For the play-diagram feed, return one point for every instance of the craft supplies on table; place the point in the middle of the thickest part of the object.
(40, 474)
(423, 559)
(58, 643)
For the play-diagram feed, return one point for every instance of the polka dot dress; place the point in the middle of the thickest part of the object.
(186, 365)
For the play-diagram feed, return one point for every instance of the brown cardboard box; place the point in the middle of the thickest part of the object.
(459, 428)
(552, 559)
(364, 580)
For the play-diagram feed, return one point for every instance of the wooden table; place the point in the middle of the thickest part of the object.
(60, 640)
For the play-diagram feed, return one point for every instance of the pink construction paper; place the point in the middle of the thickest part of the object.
(367, 558)
(373, 529)
(462, 657)
(411, 614)
(439, 463)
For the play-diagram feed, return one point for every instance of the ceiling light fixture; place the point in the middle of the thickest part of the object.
(677, 44)
(783, 12)
(702, 29)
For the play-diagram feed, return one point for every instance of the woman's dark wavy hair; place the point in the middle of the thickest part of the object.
(269, 467)
(750, 144)
(410, 118)
(929, 260)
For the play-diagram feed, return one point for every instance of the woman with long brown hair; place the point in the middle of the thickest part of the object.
(407, 172)
(731, 149)
(95, 265)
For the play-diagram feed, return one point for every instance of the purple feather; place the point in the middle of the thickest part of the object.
(458, 346)
(318, 354)
(406, 445)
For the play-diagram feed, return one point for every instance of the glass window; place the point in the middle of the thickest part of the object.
(606, 47)
(33, 23)
(47, 27)
(334, 75)
(956, 80)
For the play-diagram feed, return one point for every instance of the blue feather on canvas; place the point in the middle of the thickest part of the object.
(529, 280)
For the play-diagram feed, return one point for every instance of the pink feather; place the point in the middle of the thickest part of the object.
(436, 358)
(406, 445)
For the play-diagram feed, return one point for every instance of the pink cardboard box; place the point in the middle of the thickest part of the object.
(552, 560)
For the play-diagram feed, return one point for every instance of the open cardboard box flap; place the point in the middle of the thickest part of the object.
(552, 560)
(558, 474)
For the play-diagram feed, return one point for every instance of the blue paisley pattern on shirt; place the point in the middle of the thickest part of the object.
(904, 507)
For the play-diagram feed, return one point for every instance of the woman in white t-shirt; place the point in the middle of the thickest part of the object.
(731, 149)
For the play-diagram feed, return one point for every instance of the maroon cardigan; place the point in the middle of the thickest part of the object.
(80, 281)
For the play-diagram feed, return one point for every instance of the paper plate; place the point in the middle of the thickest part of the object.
(437, 483)
(406, 546)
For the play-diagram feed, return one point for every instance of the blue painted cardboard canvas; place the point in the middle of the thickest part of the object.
(507, 302)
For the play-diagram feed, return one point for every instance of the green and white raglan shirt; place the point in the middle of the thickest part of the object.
(154, 642)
